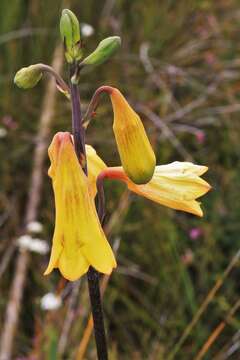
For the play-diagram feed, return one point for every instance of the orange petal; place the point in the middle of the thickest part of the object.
(135, 150)
(79, 240)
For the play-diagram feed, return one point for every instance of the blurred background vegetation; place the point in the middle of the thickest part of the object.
(179, 67)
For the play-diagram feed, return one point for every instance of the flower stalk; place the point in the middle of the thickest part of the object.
(63, 87)
(92, 275)
(92, 107)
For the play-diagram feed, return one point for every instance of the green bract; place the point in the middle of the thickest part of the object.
(70, 32)
(105, 49)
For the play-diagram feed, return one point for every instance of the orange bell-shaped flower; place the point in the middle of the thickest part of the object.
(78, 239)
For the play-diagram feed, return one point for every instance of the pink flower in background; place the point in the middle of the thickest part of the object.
(8, 121)
(210, 58)
(200, 136)
(195, 233)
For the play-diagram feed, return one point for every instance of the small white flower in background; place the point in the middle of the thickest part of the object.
(3, 132)
(87, 30)
(50, 301)
(35, 245)
(34, 227)
(24, 241)
(39, 246)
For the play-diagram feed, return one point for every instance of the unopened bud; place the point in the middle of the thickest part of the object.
(70, 32)
(105, 49)
(135, 150)
(28, 77)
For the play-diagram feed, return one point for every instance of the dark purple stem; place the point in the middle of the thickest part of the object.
(101, 200)
(48, 69)
(77, 128)
(92, 275)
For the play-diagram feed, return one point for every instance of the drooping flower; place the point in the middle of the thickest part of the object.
(136, 153)
(78, 239)
(176, 185)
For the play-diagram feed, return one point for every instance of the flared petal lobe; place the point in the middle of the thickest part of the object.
(136, 153)
(78, 239)
(176, 185)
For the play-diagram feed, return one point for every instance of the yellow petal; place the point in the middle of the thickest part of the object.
(79, 240)
(95, 167)
(175, 185)
(74, 266)
(99, 253)
(136, 153)
(183, 168)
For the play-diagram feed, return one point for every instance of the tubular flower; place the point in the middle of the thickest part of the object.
(176, 185)
(136, 153)
(78, 239)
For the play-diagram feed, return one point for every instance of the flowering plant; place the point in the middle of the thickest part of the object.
(77, 172)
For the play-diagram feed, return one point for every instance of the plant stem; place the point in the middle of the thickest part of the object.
(96, 304)
(77, 128)
(101, 199)
(58, 78)
(94, 103)
(92, 275)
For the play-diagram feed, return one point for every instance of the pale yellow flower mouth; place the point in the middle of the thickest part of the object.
(176, 185)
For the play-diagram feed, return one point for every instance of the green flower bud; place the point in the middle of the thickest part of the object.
(105, 49)
(28, 77)
(70, 33)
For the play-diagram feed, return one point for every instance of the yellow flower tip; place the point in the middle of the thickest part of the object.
(47, 271)
(200, 212)
(203, 170)
(135, 150)
(78, 239)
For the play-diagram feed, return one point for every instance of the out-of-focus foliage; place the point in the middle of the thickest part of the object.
(179, 66)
